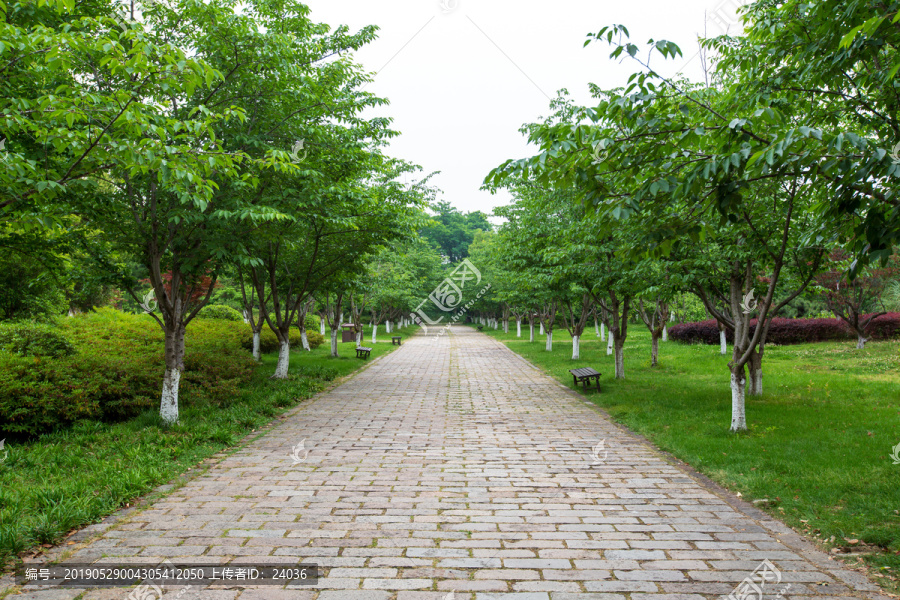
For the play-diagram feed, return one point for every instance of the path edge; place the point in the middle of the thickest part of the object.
(856, 579)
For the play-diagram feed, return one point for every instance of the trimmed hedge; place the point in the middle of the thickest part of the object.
(790, 331)
(117, 371)
(220, 311)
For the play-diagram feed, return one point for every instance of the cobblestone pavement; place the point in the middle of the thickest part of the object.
(452, 469)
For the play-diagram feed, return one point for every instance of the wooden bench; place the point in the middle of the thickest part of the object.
(584, 376)
(395, 340)
(363, 352)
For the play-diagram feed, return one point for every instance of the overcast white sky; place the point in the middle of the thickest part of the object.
(463, 76)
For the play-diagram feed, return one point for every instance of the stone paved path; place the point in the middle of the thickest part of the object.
(452, 465)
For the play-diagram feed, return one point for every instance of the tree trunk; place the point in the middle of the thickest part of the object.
(620, 358)
(518, 328)
(358, 336)
(542, 328)
(576, 350)
(257, 355)
(610, 344)
(723, 342)
(531, 331)
(755, 374)
(738, 397)
(602, 332)
(174, 353)
(665, 336)
(334, 343)
(322, 326)
(168, 408)
(549, 346)
(596, 327)
(860, 342)
(284, 358)
(305, 340)
(654, 349)
(374, 333)
(505, 325)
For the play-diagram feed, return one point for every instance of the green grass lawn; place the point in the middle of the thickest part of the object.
(65, 480)
(820, 437)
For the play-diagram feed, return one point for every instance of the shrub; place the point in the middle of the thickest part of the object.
(268, 341)
(312, 321)
(220, 311)
(117, 372)
(314, 338)
(790, 331)
(28, 338)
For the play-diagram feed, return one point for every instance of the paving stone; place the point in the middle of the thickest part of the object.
(452, 465)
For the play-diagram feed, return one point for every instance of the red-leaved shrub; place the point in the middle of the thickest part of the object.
(790, 331)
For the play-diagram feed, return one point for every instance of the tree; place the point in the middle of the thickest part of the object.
(451, 231)
(826, 71)
(850, 299)
(185, 203)
(660, 292)
(663, 159)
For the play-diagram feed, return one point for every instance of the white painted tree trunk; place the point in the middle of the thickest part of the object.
(610, 344)
(341, 322)
(246, 317)
(596, 327)
(542, 328)
(284, 358)
(375, 334)
(531, 332)
(334, 342)
(359, 336)
(860, 342)
(322, 327)
(576, 349)
(387, 326)
(602, 332)
(549, 341)
(620, 361)
(168, 408)
(665, 334)
(257, 355)
(518, 328)
(305, 340)
(723, 343)
(738, 401)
